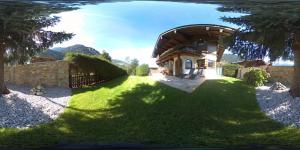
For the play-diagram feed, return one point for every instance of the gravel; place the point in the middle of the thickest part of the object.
(20, 109)
(279, 105)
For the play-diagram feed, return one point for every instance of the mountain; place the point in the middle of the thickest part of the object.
(229, 58)
(78, 48)
(59, 52)
(119, 63)
(52, 53)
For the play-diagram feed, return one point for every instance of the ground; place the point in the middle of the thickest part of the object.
(220, 112)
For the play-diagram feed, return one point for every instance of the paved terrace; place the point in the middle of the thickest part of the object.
(187, 85)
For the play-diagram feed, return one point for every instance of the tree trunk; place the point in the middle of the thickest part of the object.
(295, 88)
(3, 89)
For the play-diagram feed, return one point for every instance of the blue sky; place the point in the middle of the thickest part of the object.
(131, 28)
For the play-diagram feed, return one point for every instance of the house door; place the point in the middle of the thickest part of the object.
(201, 63)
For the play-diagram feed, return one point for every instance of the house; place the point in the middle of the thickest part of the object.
(252, 63)
(184, 49)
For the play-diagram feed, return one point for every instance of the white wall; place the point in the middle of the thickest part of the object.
(194, 62)
(211, 47)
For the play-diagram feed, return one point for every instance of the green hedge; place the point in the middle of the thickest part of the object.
(142, 70)
(92, 64)
(230, 70)
(256, 77)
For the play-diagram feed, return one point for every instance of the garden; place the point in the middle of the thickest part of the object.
(132, 109)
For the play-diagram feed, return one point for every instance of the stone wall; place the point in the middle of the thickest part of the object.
(55, 73)
(283, 74)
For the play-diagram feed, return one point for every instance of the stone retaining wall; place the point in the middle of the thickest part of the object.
(283, 74)
(55, 73)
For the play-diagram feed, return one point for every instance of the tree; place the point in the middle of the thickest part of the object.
(270, 28)
(23, 32)
(142, 70)
(134, 63)
(131, 65)
(105, 56)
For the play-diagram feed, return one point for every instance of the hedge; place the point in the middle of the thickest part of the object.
(142, 70)
(256, 77)
(92, 64)
(230, 70)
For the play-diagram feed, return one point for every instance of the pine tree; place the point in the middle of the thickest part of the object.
(270, 28)
(23, 32)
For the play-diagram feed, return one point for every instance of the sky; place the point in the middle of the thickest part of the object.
(130, 29)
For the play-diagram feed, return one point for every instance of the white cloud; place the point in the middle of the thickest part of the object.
(144, 55)
(72, 22)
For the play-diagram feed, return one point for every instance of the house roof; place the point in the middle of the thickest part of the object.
(188, 34)
(251, 63)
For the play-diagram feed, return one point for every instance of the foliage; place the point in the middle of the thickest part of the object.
(219, 113)
(142, 70)
(256, 77)
(93, 64)
(105, 55)
(230, 70)
(268, 29)
(132, 64)
(23, 29)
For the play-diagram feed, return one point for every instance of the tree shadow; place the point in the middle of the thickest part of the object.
(157, 114)
(16, 112)
(51, 92)
(218, 113)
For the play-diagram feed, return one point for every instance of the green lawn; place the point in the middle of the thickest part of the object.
(138, 110)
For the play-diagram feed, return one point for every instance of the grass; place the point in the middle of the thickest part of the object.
(138, 110)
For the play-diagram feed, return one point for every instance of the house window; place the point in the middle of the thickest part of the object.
(188, 64)
(210, 63)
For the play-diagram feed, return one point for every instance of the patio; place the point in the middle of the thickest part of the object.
(186, 85)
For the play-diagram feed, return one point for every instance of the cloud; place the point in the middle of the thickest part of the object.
(72, 22)
(144, 55)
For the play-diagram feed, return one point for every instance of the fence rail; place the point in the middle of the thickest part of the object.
(80, 80)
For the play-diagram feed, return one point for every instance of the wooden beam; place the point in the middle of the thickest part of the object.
(220, 52)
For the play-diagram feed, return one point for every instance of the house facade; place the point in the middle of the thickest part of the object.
(182, 50)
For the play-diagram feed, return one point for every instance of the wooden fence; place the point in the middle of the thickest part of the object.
(79, 80)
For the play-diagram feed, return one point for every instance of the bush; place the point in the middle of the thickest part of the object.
(256, 77)
(230, 70)
(91, 64)
(142, 70)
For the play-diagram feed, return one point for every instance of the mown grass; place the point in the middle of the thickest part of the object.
(138, 110)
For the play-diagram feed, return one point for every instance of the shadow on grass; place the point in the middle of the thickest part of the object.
(219, 113)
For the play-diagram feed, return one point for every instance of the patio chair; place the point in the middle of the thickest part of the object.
(190, 73)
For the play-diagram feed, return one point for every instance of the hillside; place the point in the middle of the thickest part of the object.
(59, 52)
(52, 53)
(229, 58)
(78, 48)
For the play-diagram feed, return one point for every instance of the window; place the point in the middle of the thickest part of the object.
(210, 63)
(188, 64)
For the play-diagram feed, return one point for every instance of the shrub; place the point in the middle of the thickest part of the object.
(142, 70)
(230, 70)
(92, 64)
(256, 77)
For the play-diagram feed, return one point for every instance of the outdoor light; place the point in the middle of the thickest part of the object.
(221, 30)
(175, 31)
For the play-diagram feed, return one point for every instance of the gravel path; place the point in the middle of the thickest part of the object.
(20, 109)
(279, 105)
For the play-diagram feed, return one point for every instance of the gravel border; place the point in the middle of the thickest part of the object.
(20, 109)
(279, 105)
